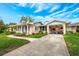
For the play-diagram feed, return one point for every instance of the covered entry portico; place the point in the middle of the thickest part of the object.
(56, 27)
(28, 29)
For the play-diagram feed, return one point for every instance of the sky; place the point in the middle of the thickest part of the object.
(12, 12)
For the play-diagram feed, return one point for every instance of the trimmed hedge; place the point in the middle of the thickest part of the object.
(20, 34)
(9, 33)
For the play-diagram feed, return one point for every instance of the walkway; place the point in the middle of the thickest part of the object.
(30, 39)
(50, 45)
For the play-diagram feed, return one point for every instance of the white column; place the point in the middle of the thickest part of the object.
(27, 30)
(21, 29)
(24, 29)
(48, 29)
(17, 29)
(64, 28)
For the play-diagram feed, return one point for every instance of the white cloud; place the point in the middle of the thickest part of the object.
(77, 9)
(54, 8)
(32, 5)
(46, 18)
(22, 4)
(63, 14)
(69, 13)
(40, 7)
(42, 19)
(62, 10)
(39, 18)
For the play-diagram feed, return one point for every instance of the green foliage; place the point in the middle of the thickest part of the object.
(9, 33)
(69, 32)
(8, 44)
(41, 32)
(20, 34)
(37, 35)
(12, 24)
(72, 41)
(26, 19)
(2, 26)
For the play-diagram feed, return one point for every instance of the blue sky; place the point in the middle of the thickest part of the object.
(12, 12)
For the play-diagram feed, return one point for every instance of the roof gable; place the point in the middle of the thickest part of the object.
(56, 22)
(38, 23)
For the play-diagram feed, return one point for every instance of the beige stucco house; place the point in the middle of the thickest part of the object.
(54, 27)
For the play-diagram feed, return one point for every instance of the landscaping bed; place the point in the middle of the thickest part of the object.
(38, 35)
(34, 35)
(8, 44)
(72, 41)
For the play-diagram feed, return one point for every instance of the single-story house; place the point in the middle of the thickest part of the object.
(55, 26)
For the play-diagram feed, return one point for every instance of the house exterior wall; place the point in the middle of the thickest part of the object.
(35, 28)
(74, 28)
(31, 29)
(69, 28)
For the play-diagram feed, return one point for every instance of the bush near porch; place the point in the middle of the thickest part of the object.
(8, 44)
(37, 35)
(34, 35)
(9, 33)
(72, 41)
(20, 34)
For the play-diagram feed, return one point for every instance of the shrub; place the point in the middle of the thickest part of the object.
(33, 33)
(1, 31)
(69, 32)
(20, 34)
(9, 33)
(40, 32)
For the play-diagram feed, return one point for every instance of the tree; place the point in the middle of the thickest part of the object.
(12, 23)
(1, 23)
(2, 26)
(26, 19)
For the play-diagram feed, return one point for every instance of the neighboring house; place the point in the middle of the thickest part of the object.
(56, 27)
(11, 28)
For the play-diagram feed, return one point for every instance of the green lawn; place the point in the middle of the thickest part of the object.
(38, 35)
(8, 44)
(72, 41)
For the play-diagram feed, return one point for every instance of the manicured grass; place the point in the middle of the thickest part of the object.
(8, 44)
(38, 35)
(72, 41)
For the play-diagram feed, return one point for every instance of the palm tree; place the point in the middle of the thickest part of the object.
(26, 19)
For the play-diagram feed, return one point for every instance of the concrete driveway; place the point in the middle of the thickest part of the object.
(50, 45)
